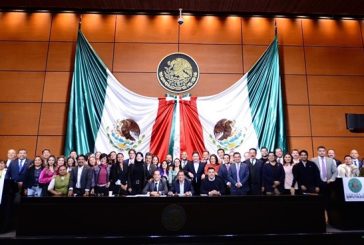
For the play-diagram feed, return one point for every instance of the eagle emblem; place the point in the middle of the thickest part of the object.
(227, 135)
(125, 134)
(178, 73)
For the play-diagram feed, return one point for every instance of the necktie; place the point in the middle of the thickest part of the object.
(237, 172)
(20, 165)
(323, 169)
(155, 186)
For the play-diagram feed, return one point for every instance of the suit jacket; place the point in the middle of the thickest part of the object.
(338, 162)
(183, 166)
(224, 173)
(271, 174)
(13, 172)
(127, 161)
(86, 178)
(29, 179)
(162, 187)
(360, 163)
(117, 174)
(243, 174)
(255, 173)
(96, 174)
(149, 172)
(331, 168)
(190, 168)
(187, 187)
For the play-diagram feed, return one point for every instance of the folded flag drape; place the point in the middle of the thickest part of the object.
(105, 116)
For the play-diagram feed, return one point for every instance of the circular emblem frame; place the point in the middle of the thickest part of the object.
(178, 72)
(355, 185)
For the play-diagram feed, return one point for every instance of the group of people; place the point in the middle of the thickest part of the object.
(101, 174)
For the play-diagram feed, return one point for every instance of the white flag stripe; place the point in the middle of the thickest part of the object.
(231, 104)
(121, 103)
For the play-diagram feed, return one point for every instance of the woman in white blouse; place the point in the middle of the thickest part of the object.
(288, 179)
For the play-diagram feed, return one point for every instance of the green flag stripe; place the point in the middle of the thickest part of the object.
(87, 98)
(265, 96)
(171, 137)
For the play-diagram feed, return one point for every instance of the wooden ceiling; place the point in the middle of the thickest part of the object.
(329, 8)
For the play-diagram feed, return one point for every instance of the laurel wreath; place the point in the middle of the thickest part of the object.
(231, 142)
(120, 142)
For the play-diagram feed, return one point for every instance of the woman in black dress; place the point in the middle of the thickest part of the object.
(137, 175)
(119, 176)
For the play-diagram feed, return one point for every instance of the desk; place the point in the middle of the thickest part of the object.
(147, 216)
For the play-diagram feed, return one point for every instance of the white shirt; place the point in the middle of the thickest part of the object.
(52, 184)
(131, 161)
(79, 173)
(196, 165)
(184, 163)
(344, 170)
(253, 160)
(8, 163)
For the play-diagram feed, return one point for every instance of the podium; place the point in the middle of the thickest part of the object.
(344, 215)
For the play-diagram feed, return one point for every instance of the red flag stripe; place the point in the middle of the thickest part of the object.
(159, 142)
(191, 127)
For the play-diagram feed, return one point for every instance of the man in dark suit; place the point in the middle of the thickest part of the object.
(182, 186)
(279, 155)
(195, 170)
(156, 187)
(331, 154)
(355, 158)
(11, 157)
(239, 176)
(255, 172)
(149, 166)
(132, 155)
(224, 172)
(81, 178)
(184, 160)
(220, 155)
(17, 170)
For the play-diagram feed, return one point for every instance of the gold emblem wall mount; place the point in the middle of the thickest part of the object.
(178, 72)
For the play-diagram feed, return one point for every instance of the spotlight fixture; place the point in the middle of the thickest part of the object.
(180, 18)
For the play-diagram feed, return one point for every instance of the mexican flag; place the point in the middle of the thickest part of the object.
(106, 116)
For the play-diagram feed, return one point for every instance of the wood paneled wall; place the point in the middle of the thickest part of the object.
(322, 68)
